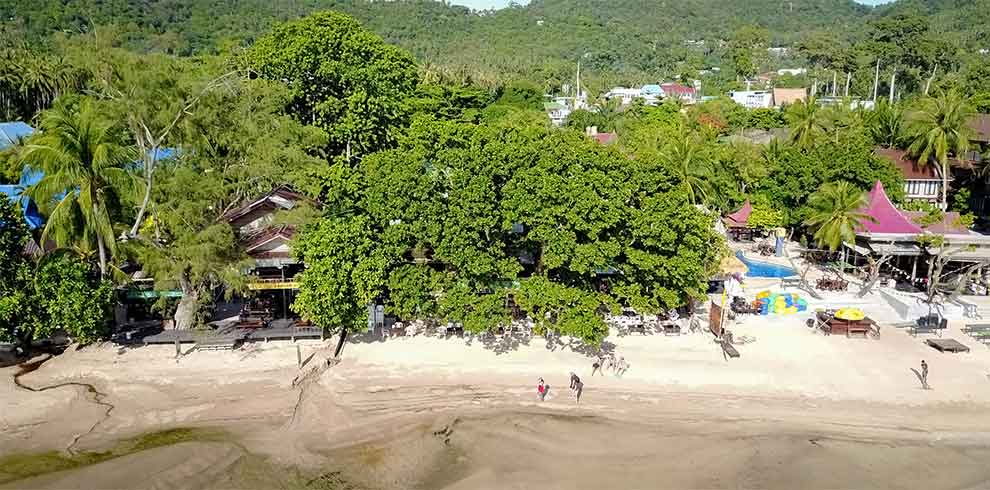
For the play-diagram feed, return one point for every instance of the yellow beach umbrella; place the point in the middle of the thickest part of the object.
(732, 265)
(850, 314)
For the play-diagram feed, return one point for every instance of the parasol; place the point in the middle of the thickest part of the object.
(732, 265)
(850, 314)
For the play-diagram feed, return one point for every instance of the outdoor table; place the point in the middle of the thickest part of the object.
(848, 327)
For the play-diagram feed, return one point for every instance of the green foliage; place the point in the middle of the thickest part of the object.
(937, 129)
(30, 81)
(462, 221)
(83, 158)
(16, 305)
(807, 122)
(765, 217)
(765, 119)
(345, 270)
(343, 79)
(71, 297)
(794, 174)
(835, 214)
(747, 49)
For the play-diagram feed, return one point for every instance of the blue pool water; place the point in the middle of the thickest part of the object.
(765, 269)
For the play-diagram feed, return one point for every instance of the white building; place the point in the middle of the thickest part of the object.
(753, 99)
(624, 95)
(792, 71)
(557, 112)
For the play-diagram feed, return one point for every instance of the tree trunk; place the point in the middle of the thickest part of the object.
(185, 313)
(149, 179)
(945, 186)
(340, 342)
(101, 247)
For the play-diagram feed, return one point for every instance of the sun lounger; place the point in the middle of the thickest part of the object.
(925, 327)
(729, 350)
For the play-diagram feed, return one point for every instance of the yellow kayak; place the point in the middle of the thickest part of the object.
(850, 314)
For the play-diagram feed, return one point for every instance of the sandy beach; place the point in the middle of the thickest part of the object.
(796, 410)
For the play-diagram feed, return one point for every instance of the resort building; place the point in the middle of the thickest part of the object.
(267, 243)
(921, 182)
(890, 231)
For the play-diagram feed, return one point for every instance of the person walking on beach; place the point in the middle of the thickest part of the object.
(924, 375)
(578, 388)
(597, 367)
(574, 380)
(621, 367)
(541, 390)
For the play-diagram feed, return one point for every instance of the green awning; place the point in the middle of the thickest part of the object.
(151, 294)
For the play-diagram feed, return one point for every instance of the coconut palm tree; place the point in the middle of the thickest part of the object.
(83, 159)
(886, 124)
(687, 161)
(807, 122)
(835, 213)
(937, 130)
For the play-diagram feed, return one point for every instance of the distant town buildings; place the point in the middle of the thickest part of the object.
(752, 99)
(655, 94)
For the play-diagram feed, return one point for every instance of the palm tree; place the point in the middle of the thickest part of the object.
(806, 121)
(83, 160)
(938, 129)
(834, 213)
(685, 158)
(886, 124)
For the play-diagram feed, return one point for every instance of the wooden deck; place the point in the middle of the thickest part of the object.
(947, 345)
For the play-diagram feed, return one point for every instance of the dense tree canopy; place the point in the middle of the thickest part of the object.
(342, 77)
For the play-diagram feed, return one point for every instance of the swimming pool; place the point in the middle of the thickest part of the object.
(765, 269)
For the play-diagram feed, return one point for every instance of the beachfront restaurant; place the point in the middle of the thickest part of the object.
(895, 233)
(271, 278)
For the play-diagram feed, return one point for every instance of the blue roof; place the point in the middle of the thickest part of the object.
(31, 215)
(651, 89)
(10, 132)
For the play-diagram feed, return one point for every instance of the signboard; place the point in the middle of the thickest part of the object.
(258, 286)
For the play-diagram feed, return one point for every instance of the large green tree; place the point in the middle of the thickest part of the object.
(344, 79)
(17, 308)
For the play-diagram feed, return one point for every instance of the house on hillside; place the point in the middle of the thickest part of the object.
(686, 94)
(624, 95)
(557, 112)
(794, 72)
(787, 96)
(752, 99)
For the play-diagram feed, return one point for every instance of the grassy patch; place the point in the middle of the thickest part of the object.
(15, 467)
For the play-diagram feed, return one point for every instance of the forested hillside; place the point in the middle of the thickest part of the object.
(618, 41)
(623, 37)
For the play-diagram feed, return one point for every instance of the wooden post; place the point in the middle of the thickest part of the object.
(298, 356)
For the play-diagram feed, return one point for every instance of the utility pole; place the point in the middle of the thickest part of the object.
(876, 81)
(929, 84)
(849, 77)
(893, 79)
(577, 93)
(835, 81)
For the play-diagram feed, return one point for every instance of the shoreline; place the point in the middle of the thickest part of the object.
(395, 414)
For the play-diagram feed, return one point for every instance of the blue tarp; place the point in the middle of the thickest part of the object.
(11, 132)
(31, 215)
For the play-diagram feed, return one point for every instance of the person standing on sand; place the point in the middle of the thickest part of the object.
(578, 388)
(621, 367)
(924, 375)
(541, 390)
(597, 367)
(574, 380)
